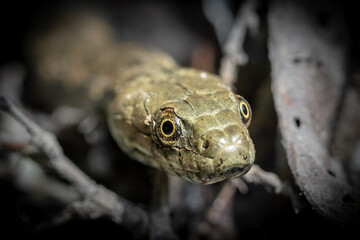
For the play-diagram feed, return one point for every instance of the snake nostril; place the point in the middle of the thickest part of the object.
(243, 155)
(205, 145)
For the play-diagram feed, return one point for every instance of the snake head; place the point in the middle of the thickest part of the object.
(185, 122)
(204, 137)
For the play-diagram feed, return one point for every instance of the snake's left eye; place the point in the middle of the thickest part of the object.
(244, 110)
(168, 127)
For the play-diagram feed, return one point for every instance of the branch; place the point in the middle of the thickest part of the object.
(218, 222)
(97, 200)
(159, 210)
(270, 180)
(234, 53)
(218, 215)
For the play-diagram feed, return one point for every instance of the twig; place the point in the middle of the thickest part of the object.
(216, 214)
(219, 218)
(221, 201)
(240, 184)
(97, 200)
(160, 212)
(220, 16)
(258, 176)
(48, 144)
(271, 181)
(234, 53)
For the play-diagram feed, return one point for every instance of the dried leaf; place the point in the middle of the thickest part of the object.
(307, 48)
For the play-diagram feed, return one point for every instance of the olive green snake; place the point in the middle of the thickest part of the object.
(183, 121)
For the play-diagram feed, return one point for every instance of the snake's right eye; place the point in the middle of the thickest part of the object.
(168, 127)
(244, 110)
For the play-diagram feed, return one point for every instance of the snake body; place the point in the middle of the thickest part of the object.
(183, 121)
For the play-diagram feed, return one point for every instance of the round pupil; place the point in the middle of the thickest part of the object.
(244, 109)
(167, 127)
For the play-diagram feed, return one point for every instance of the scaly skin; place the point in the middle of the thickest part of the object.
(137, 86)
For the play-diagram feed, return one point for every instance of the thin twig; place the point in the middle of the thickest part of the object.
(240, 184)
(270, 180)
(234, 53)
(256, 176)
(48, 144)
(221, 201)
(97, 200)
(219, 215)
(160, 211)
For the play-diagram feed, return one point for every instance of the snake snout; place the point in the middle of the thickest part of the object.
(234, 159)
(231, 151)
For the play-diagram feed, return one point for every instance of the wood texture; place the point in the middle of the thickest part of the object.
(307, 50)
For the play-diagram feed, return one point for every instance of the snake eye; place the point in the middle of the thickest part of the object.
(244, 110)
(168, 127)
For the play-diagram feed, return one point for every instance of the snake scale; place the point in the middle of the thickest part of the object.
(183, 121)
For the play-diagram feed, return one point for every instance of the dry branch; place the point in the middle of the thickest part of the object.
(271, 181)
(234, 53)
(97, 200)
(159, 209)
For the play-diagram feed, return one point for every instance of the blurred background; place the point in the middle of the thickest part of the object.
(31, 195)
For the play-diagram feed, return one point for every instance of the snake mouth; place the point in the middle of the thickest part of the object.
(233, 170)
(209, 178)
(236, 170)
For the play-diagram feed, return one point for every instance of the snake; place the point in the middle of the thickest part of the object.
(180, 120)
